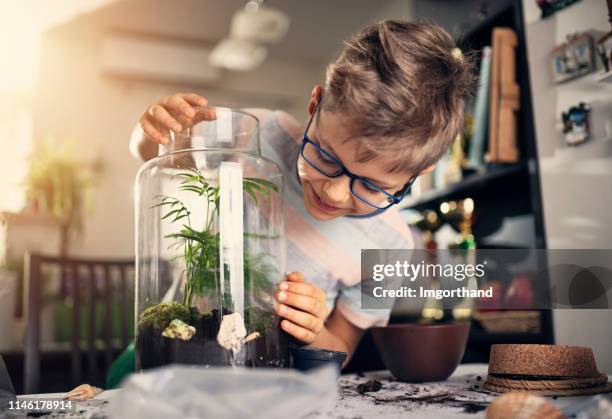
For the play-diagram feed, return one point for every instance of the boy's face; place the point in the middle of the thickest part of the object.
(327, 198)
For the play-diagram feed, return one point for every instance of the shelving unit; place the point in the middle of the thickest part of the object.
(486, 179)
(502, 193)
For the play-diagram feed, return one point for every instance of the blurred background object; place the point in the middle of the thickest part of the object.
(251, 26)
(59, 185)
(553, 196)
(80, 308)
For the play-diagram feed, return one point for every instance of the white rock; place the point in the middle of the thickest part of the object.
(179, 329)
(231, 332)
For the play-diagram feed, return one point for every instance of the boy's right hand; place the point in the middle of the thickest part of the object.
(175, 113)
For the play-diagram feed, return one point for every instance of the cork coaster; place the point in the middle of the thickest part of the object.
(606, 388)
(533, 383)
(543, 360)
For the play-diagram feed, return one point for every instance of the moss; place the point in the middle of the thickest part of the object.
(160, 315)
(258, 320)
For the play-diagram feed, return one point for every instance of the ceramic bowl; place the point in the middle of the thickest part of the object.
(417, 352)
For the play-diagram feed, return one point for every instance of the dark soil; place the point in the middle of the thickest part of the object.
(446, 399)
(421, 396)
(369, 386)
(269, 350)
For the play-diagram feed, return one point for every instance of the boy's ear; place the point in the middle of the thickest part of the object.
(315, 97)
(428, 169)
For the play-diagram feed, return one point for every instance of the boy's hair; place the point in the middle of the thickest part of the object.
(401, 86)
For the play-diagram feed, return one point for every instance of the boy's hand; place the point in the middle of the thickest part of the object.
(175, 113)
(303, 307)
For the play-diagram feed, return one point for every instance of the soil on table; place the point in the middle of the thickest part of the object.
(268, 350)
(381, 389)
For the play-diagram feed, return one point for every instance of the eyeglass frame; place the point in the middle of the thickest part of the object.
(393, 199)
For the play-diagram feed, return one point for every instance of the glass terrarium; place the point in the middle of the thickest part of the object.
(210, 248)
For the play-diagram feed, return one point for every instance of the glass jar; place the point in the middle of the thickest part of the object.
(210, 248)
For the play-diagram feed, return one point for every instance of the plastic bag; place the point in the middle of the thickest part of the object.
(225, 393)
(7, 391)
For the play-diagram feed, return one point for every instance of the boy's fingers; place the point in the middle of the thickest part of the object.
(201, 115)
(300, 318)
(301, 302)
(177, 103)
(303, 288)
(183, 120)
(160, 115)
(204, 114)
(151, 132)
(295, 277)
(298, 332)
(194, 99)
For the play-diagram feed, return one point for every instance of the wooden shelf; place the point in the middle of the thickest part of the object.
(469, 183)
(485, 26)
(503, 195)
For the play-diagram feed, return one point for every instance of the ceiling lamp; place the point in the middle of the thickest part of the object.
(250, 27)
(259, 23)
(237, 55)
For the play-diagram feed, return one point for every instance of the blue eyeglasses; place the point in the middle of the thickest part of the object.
(326, 164)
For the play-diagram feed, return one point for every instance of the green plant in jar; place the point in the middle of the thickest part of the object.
(201, 255)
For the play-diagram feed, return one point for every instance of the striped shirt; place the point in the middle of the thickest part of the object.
(327, 253)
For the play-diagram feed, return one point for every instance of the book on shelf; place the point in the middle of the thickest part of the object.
(481, 113)
(504, 98)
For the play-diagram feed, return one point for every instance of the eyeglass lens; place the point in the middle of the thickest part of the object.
(330, 167)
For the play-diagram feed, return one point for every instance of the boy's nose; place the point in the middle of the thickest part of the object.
(337, 190)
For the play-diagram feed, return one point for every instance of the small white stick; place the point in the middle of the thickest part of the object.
(231, 229)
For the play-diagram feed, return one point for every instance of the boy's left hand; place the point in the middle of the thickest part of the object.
(303, 307)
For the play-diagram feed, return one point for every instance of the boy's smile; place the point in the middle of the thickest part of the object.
(324, 205)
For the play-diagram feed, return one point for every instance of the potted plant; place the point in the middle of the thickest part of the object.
(59, 185)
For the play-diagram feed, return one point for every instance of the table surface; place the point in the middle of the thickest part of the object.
(461, 396)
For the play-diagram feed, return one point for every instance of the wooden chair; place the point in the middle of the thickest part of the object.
(85, 282)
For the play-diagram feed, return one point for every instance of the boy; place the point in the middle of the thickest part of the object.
(391, 106)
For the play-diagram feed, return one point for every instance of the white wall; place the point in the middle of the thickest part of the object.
(576, 182)
(16, 144)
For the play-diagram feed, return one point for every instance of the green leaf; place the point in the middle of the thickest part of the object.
(251, 193)
(167, 200)
(192, 188)
(267, 183)
(181, 216)
(265, 192)
(169, 214)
